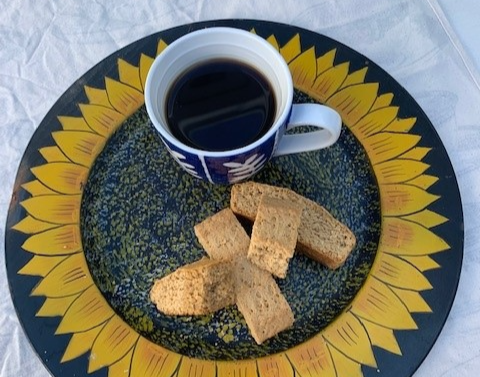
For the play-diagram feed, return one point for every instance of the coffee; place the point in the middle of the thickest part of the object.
(220, 105)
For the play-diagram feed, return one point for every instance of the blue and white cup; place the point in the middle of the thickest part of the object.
(231, 166)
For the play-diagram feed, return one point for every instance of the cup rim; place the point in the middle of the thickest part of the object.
(281, 119)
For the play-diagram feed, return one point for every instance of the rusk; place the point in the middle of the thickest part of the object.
(320, 236)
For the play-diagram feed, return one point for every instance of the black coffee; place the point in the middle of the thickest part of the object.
(220, 105)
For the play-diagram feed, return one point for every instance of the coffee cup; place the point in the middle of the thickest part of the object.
(221, 100)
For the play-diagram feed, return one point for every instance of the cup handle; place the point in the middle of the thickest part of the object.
(327, 120)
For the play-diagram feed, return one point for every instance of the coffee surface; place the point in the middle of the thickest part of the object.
(220, 105)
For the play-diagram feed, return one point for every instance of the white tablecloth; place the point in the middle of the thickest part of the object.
(46, 45)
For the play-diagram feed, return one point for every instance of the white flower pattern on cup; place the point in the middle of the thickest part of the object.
(238, 171)
(185, 165)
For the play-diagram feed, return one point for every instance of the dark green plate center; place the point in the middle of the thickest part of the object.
(137, 218)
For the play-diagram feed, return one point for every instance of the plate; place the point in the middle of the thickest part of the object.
(99, 210)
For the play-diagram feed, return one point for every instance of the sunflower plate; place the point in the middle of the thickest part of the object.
(99, 210)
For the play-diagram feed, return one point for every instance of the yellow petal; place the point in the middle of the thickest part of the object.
(401, 125)
(356, 77)
(329, 81)
(403, 237)
(354, 101)
(145, 64)
(97, 96)
(40, 265)
(112, 344)
(244, 368)
(383, 100)
(30, 225)
(55, 307)
(64, 240)
(88, 311)
(63, 177)
(36, 188)
(402, 199)
(374, 122)
(74, 124)
(273, 41)
(312, 358)
(399, 170)
(325, 61)
(291, 49)
(417, 153)
(196, 368)
(161, 46)
(348, 335)
(56, 209)
(125, 99)
(122, 366)
(344, 366)
(81, 147)
(423, 262)
(80, 343)
(412, 300)
(70, 277)
(53, 154)
(376, 303)
(427, 218)
(101, 119)
(304, 69)
(275, 366)
(129, 74)
(382, 337)
(393, 270)
(424, 181)
(150, 359)
(385, 145)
